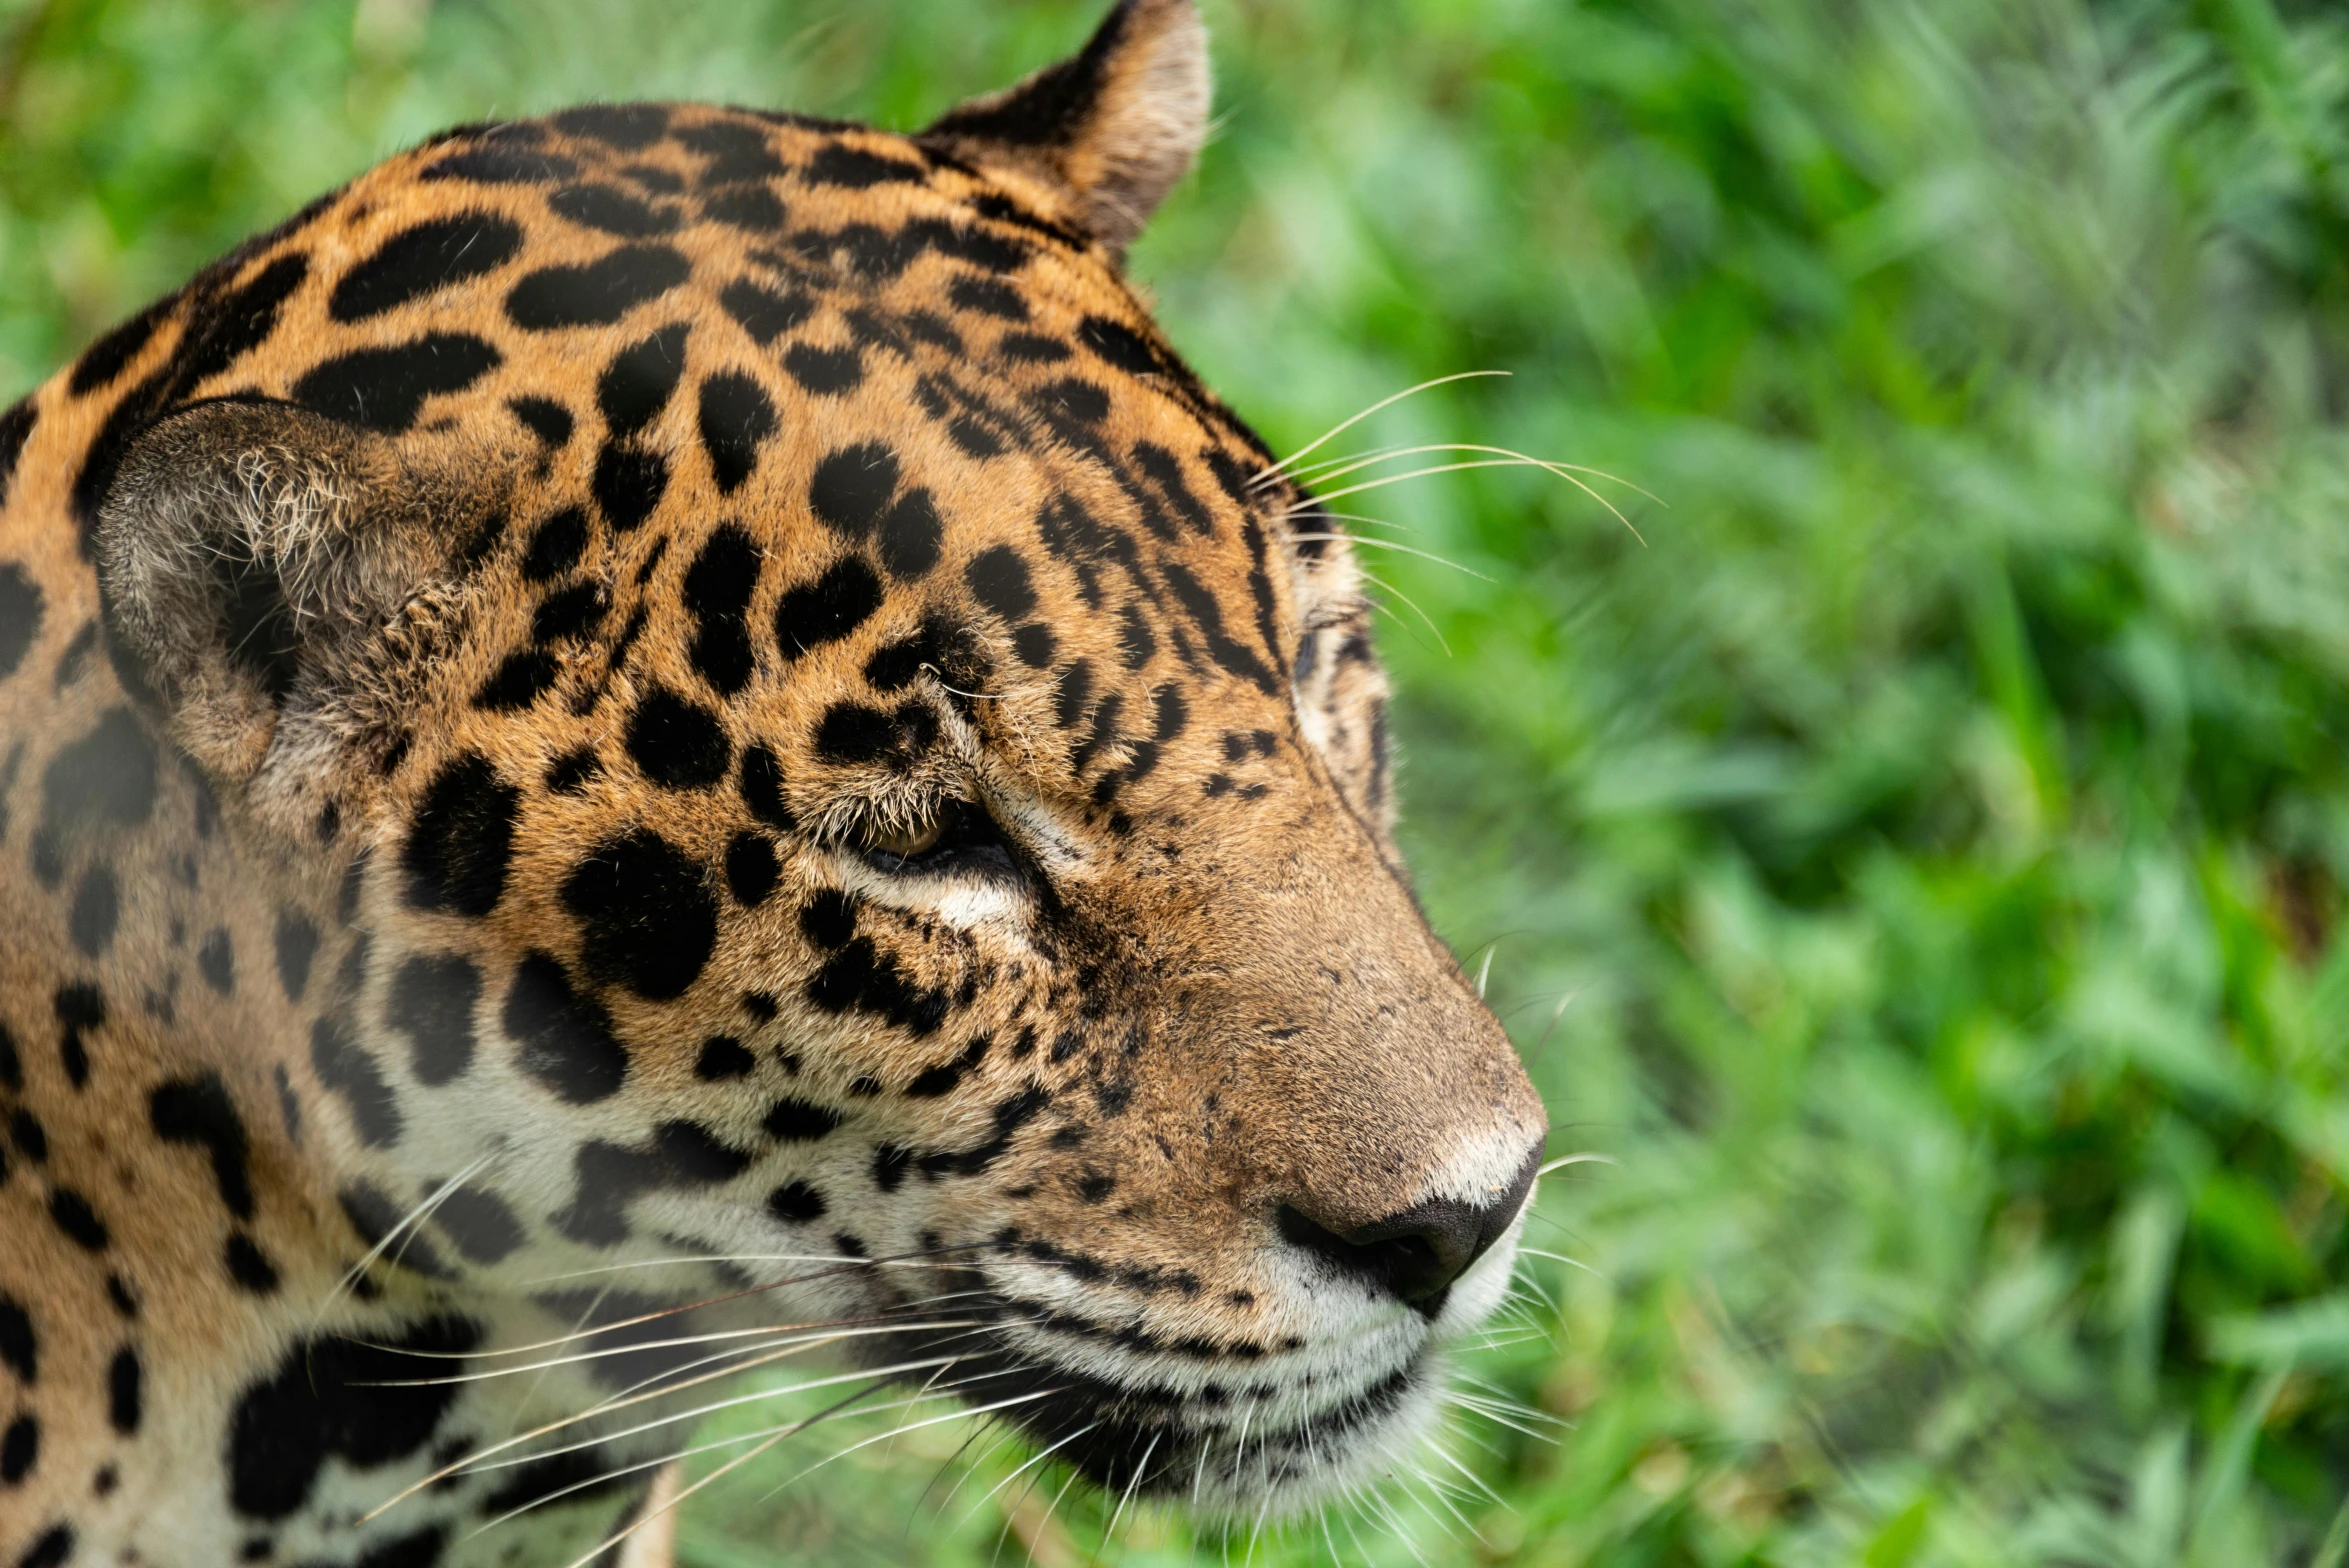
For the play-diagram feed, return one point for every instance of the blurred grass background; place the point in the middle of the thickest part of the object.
(1919, 864)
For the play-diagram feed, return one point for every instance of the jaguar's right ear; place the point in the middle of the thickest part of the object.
(254, 562)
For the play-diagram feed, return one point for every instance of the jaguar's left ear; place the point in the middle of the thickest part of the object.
(1110, 129)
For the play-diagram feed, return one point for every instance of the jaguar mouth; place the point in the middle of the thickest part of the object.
(1252, 1438)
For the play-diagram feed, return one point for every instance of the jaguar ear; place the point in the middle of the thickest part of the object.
(1110, 129)
(259, 567)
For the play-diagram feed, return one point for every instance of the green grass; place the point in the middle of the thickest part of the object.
(1917, 864)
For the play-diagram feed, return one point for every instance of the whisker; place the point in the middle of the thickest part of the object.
(1266, 476)
(1559, 1257)
(1564, 1160)
(1520, 461)
(407, 1223)
(1390, 544)
(1338, 468)
(1386, 587)
(915, 1426)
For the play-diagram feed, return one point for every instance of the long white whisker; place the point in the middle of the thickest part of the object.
(1015, 1475)
(1339, 429)
(407, 1224)
(1564, 1160)
(1390, 544)
(1389, 588)
(1338, 468)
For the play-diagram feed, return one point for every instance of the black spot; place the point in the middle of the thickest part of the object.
(860, 977)
(365, 1403)
(829, 919)
(72, 1214)
(1033, 348)
(1073, 399)
(124, 1401)
(107, 358)
(1096, 1189)
(569, 614)
(893, 666)
(458, 852)
(20, 616)
(1170, 714)
(612, 210)
(853, 733)
(97, 909)
(20, 1350)
(910, 536)
(76, 656)
(762, 312)
(736, 151)
(827, 372)
(518, 682)
(567, 1041)
(199, 1111)
(1000, 578)
(762, 790)
(346, 1068)
(377, 1218)
(751, 868)
(431, 1001)
(545, 418)
(416, 1549)
(828, 609)
(107, 776)
(647, 920)
(120, 1294)
(598, 293)
(795, 1202)
(1034, 644)
(417, 261)
(627, 126)
(1120, 345)
(717, 590)
(20, 1450)
(988, 296)
(749, 207)
(735, 417)
(382, 388)
(297, 945)
(629, 482)
(30, 1137)
(691, 1155)
(677, 743)
(722, 1058)
(16, 428)
(851, 488)
(555, 546)
(11, 1063)
(489, 163)
(889, 1166)
(248, 1265)
(641, 379)
(53, 1547)
(289, 1105)
(81, 1007)
(569, 773)
(483, 1228)
(799, 1121)
(838, 163)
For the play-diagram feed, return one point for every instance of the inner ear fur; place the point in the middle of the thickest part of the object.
(1108, 131)
(258, 564)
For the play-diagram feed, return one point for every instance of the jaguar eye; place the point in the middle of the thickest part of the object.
(960, 836)
(905, 843)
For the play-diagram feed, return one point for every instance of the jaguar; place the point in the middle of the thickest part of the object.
(663, 736)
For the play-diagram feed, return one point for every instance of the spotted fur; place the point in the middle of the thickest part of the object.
(676, 687)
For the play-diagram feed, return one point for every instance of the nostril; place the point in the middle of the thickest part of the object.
(1405, 1264)
(1415, 1254)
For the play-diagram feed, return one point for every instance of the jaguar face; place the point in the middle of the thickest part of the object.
(856, 785)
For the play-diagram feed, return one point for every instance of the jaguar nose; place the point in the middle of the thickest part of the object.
(1417, 1253)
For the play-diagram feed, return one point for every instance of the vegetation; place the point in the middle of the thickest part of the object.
(1917, 864)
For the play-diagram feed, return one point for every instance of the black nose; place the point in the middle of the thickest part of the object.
(1417, 1253)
